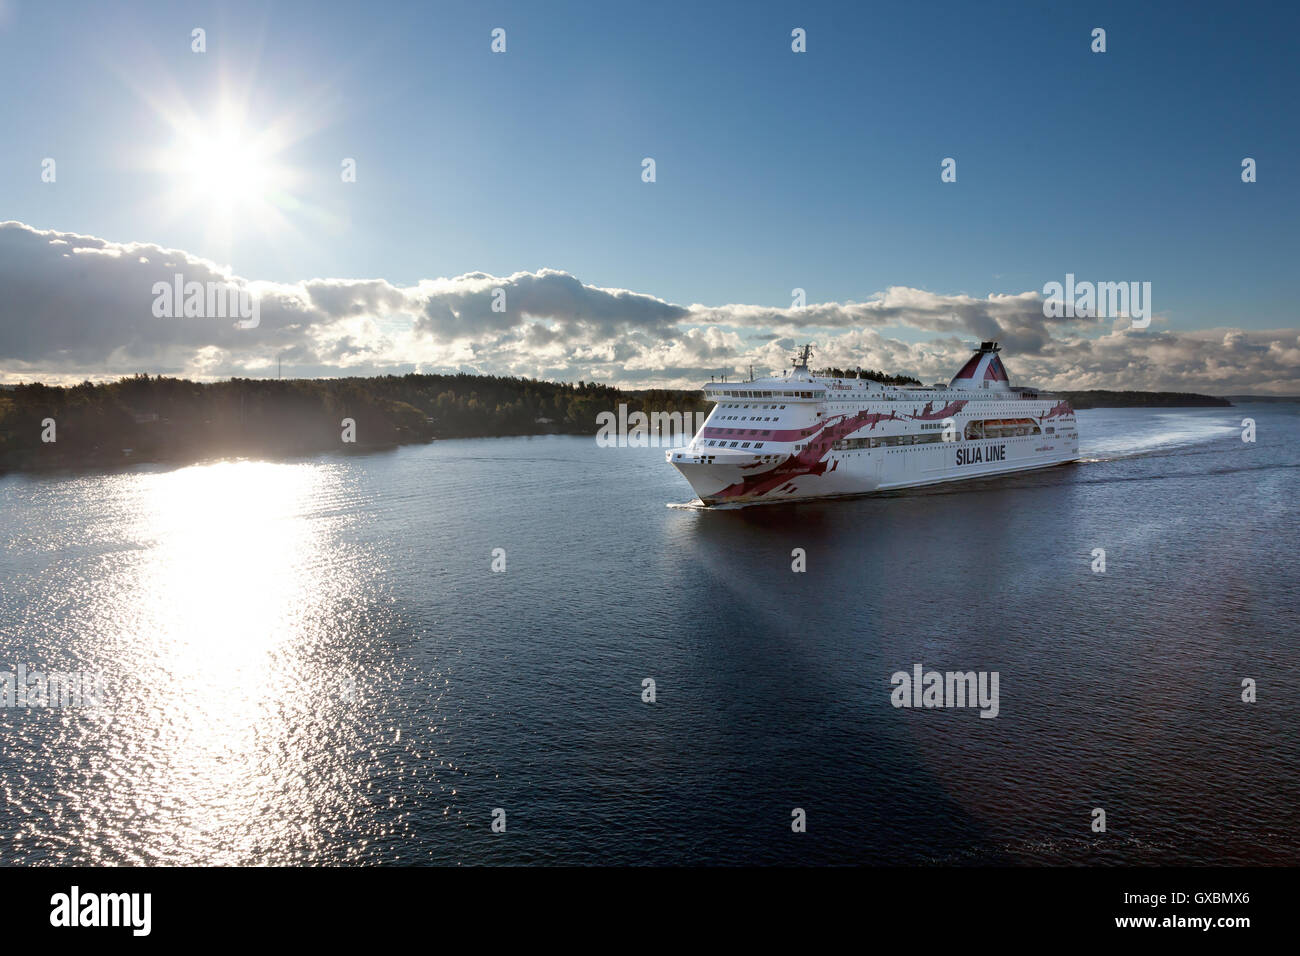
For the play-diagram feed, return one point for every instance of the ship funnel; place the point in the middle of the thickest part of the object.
(983, 370)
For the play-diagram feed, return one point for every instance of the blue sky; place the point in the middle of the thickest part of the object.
(774, 170)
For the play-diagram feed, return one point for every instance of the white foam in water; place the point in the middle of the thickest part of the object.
(1135, 437)
(698, 505)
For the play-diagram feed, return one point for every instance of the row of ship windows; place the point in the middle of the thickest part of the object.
(709, 459)
(1003, 428)
(762, 395)
(822, 396)
(851, 444)
(974, 432)
(939, 393)
(764, 433)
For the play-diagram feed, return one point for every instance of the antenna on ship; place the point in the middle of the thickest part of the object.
(801, 360)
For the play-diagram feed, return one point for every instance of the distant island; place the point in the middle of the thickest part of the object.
(1266, 399)
(1107, 399)
(155, 418)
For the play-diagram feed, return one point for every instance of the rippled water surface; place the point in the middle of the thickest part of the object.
(312, 661)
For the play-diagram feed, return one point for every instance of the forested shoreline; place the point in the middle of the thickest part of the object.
(156, 418)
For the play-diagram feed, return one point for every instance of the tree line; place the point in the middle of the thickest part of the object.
(1102, 398)
(872, 374)
(147, 418)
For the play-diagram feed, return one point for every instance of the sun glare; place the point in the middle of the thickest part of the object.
(225, 166)
(228, 171)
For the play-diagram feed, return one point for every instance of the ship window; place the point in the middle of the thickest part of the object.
(851, 444)
(1002, 428)
(744, 445)
(758, 444)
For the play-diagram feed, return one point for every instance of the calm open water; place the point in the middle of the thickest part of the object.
(312, 661)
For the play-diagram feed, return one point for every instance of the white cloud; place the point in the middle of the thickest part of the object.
(79, 307)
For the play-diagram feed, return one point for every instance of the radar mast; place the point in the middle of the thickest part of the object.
(801, 360)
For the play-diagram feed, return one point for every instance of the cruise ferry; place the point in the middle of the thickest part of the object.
(809, 436)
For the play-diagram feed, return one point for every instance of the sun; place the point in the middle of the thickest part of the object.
(228, 170)
(235, 168)
(226, 167)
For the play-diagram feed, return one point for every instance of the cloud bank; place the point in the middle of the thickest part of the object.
(76, 307)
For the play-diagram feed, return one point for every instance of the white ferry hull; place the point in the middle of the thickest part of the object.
(864, 472)
(805, 436)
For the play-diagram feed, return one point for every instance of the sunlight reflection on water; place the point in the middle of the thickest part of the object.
(225, 622)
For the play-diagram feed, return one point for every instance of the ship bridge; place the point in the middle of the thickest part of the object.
(767, 390)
